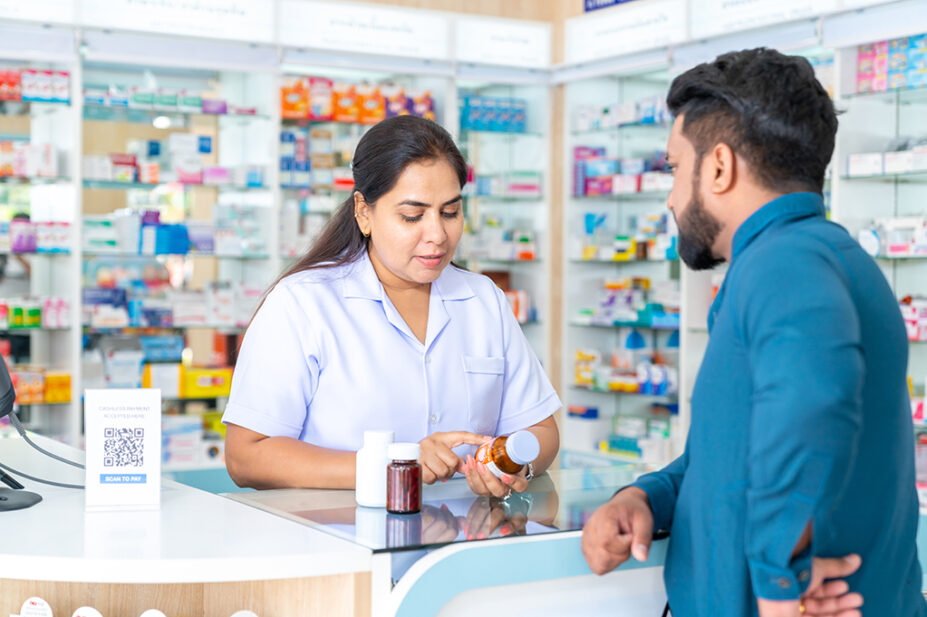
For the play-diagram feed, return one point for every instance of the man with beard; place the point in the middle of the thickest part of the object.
(799, 462)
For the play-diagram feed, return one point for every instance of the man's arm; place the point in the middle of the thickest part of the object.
(802, 333)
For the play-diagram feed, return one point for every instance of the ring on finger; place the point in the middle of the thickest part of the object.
(801, 606)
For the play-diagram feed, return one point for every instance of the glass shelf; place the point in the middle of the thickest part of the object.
(620, 393)
(640, 196)
(24, 331)
(144, 330)
(507, 198)
(35, 180)
(192, 254)
(27, 108)
(54, 404)
(901, 258)
(106, 113)
(37, 254)
(465, 134)
(633, 126)
(907, 96)
(501, 261)
(918, 177)
(623, 324)
(623, 262)
(122, 186)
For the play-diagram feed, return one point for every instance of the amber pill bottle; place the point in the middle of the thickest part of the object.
(509, 454)
(403, 479)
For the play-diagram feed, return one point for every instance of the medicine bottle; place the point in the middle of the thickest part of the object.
(404, 479)
(370, 466)
(509, 454)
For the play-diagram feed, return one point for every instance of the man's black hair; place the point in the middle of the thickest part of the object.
(768, 107)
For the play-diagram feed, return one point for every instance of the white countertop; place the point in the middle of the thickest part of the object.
(194, 537)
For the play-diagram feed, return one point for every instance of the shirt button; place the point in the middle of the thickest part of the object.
(784, 583)
(434, 418)
(804, 575)
(427, 359)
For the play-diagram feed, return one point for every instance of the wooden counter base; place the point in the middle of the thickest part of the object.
(343, 594)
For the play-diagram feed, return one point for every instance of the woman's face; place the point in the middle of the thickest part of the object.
(414, 229)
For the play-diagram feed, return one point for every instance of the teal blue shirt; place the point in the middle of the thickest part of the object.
(800, 413)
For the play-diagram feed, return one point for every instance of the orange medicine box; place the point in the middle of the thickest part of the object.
(372, 104)
(294, 98)
(205, 382)
(346, 104)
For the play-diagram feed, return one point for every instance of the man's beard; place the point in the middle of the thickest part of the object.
(698, 230)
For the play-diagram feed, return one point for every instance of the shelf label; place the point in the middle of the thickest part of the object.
(123, 431)
(364, 29)
(49, 11)
(714, 17)
(238, 20)
(629, 28)
(506, 42)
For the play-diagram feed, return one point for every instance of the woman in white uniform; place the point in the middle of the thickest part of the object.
(374, 328)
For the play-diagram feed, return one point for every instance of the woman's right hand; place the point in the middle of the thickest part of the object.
(437, 456)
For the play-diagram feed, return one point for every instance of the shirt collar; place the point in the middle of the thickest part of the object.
(362, 282)
(784, 209)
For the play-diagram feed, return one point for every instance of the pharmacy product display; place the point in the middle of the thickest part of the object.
(176, 238)
(38, 294)
(621, 271)
(503, 134)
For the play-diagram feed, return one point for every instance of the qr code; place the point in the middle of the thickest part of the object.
(123, 447)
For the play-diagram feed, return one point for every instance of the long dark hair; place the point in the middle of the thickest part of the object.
(382, 154)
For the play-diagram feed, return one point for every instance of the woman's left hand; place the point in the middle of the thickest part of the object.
(483, 482)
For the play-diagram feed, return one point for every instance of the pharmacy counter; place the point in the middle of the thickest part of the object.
(190, 557)
(464, 554)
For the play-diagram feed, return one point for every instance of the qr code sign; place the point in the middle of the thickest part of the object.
(123, 447)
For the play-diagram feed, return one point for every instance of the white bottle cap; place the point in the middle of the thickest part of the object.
(378, 438)
(86, 611)
(403, 451)
(244, 614)
(153, 612)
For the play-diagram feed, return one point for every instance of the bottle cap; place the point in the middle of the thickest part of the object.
(403, 451)
(378, 438)
(522, 447)
(635, 341)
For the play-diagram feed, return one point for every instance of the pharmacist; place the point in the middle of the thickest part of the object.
(374, 328)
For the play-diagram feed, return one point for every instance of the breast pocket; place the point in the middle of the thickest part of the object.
(485, 378)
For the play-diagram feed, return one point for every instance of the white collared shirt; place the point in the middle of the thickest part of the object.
(328, 356)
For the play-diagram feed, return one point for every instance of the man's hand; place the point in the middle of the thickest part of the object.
(825, 597)
(620, 528)
(437, 457)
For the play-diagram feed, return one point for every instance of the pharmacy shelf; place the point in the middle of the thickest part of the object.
(34, 180)
(37, 254)
(469, 134)
(144, 330)
(141, 256)
(620, 197)
(27, 108)
(901, 258)
(25, 331)
(624, 324)
(122, 186)
(106, 113)
(575, 386)
(623, 262)
(508, 262)
(908, 96)
(507, 198)
(914, 177)
(631, 126)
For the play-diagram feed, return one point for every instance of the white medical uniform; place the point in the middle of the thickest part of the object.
(328, 356)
